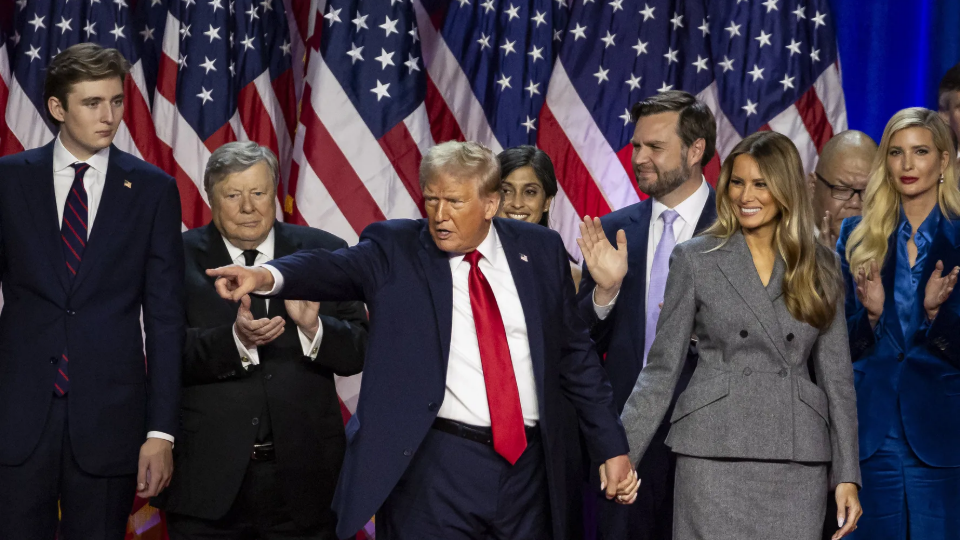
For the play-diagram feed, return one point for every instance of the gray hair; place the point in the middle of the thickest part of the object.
(235, 157)
(462, 160)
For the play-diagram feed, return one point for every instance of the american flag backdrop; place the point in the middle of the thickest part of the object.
(351, 93)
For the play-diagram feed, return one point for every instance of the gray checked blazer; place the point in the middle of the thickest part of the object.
(751, 396)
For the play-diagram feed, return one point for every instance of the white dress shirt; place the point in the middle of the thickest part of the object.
(93, 181)
(265, 253)
(683, 229)
(465, 398)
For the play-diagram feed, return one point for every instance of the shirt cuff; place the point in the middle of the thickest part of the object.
(277, 281)
(160, 435)
(248, 357)
(311, 348)
(603, 311)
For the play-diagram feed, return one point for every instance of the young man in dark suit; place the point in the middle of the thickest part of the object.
(674, 139)
(263, 435)
(476, 353)
(90, 238)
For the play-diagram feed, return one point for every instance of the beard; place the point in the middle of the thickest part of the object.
(665, 182)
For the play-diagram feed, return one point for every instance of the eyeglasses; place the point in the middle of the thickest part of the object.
(841, 193)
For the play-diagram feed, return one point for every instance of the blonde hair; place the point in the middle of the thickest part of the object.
(811, 284)
(881, 202)
(462, 160)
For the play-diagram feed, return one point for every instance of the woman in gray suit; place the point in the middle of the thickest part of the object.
(759, 443)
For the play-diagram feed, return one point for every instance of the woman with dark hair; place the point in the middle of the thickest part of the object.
(529, 186)
(758, 441)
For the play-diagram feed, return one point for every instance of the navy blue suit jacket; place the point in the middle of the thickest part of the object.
(921, 371)
(133, 260)
(406, 282)
(621, 335)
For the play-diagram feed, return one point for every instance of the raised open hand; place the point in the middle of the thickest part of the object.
(607, 264)
(938, 289)
(870, 292)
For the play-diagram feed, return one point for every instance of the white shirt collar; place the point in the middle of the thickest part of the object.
(489, 248)
(265, 248)
(62, 158)
(691, 207)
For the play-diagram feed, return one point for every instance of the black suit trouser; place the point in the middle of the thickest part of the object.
(92, 507)
(258, 513)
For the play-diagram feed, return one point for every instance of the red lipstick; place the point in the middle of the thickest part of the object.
(908, 179)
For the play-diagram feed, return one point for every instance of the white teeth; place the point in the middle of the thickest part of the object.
(749, 211)
(518, 216)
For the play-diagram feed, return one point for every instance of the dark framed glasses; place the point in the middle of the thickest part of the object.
(841, 193)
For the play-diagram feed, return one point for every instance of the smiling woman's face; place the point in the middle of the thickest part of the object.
(750, 195)
(523, 196)
(914, 163)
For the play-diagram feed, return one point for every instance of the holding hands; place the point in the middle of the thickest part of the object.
(607, 264)
(619, 479)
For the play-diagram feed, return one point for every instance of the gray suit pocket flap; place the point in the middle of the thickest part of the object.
(700, 395)
(813, 396)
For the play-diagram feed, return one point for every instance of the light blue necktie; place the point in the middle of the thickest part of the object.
(658, 278)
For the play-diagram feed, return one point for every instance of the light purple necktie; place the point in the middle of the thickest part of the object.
(658, 278)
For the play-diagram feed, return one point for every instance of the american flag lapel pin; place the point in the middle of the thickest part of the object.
(127, 184)
(523, 258)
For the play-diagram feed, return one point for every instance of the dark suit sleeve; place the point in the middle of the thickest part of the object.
(163, 313)
(210, 355)
(860, 333)
(943, 338)
(584, 380)
(352, 273)
(344, 342)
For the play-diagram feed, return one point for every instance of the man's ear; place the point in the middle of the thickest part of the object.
(57, 109)
(695, 153)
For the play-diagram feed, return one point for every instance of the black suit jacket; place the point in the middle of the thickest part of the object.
(133, 261)
(221, 398)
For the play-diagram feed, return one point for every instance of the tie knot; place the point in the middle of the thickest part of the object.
(250, 256)
(669, 216)
(473, 257)
(79, 168)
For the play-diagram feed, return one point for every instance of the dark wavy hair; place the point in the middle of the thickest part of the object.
(518, 157)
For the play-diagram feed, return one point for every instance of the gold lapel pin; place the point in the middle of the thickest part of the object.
(127, 184)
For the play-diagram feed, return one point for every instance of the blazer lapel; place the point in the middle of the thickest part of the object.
(737, 266)
(283, 245)
(637, 240)
(42, 202)
(709, 213)
(436, 269)
(525, 280)
(115, 202)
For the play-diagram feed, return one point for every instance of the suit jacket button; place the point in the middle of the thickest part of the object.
(407, 452)
(432, 406)
(900, 357)
(268, 376)
(790, 336)
(747, 371)
(53, 360)
(255, 421)
(743, 333)
(783, 372)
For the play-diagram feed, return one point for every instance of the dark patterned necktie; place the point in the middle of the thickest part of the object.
(258, 305)
(73, 232)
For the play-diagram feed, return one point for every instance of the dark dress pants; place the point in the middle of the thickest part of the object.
(258, 513)
(92, 507)
(458, 489)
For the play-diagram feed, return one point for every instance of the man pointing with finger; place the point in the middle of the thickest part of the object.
(476, 355)
(262, 439)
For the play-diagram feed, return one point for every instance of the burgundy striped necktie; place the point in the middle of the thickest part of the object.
(73, 232)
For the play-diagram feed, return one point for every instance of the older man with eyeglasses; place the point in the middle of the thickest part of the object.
(838, 183)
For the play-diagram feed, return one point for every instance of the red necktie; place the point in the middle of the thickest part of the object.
(73, 232)
(503, 398)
